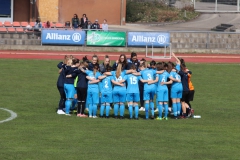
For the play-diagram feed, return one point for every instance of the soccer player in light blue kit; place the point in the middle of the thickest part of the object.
(153, 67)
(176, 90)
(106, 91)
(162, 91)
(149, 89)
(119, 91)
(93, 90)
(133, 96)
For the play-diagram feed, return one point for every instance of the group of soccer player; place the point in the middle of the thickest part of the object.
(91, 85)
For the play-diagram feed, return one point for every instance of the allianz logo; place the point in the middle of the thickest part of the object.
(75, 37)
(161, 39)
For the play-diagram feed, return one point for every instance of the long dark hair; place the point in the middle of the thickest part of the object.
(76, 16)
(160, 66)
(124, 63)
(170, 66)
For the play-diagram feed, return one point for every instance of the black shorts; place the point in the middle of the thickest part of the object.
(185, 96)
(191, 95)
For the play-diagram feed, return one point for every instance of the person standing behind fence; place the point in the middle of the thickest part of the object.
(75, 21)
(47, 25)
(84, 22)
(37, 25)
(95, 25)
(105, 25)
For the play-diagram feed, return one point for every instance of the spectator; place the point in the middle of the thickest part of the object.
(37, 25)
(47, 25)
(67, 24)
(105, 25)
(75, 21)
(95, 25)
(89, 24)
(84, 22)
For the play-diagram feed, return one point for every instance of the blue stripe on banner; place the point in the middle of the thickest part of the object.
(157, 39)
(69, 37)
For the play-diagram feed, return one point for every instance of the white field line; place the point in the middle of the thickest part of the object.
(140, 55)
(13, 115)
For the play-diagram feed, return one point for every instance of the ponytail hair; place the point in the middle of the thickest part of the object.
(95, 68)
(75, 61)
(119, 70)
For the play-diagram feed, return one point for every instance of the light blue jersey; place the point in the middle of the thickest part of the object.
(106, 85)
(132, 83)
(177, 88)
(162, 78)
(148, 74)
(162, 90)
(117, 87)
(175, 76)
(94, 86)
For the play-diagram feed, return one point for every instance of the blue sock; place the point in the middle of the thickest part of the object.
(166, 110)
(107, 110)
(174, 106)
(136, 111)
(178, 108)
(102, 109)
(94, 109)
(90, 109)
(160, 111)
(146, 110)
(122, 108)
(74, 102)
(152, 108)
(116, 106)
(130, 109)
(67, 105)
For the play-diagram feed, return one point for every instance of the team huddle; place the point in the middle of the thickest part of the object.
(128, 81)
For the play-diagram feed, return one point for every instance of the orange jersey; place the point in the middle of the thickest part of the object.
(190, 85)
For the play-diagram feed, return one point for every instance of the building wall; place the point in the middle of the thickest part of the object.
(63, 10)
(48, 10)
(95, 9)
(21, 10)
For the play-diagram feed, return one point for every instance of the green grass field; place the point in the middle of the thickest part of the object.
(28, 87)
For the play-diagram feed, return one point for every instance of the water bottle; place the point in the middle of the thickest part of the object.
(196, 116)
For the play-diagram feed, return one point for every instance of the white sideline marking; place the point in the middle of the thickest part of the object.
(13, 115)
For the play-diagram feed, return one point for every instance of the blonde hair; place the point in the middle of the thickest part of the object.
(65, 59)
(119, 70)
(69, 62)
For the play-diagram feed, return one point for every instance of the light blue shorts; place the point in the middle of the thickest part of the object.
(176, 92)
(119, 96)
(162, 95)
(69, 90)
(133, 97)
(106, 98)
(149, 94)
(92, 97)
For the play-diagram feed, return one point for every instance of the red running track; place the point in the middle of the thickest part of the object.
(192, 58)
